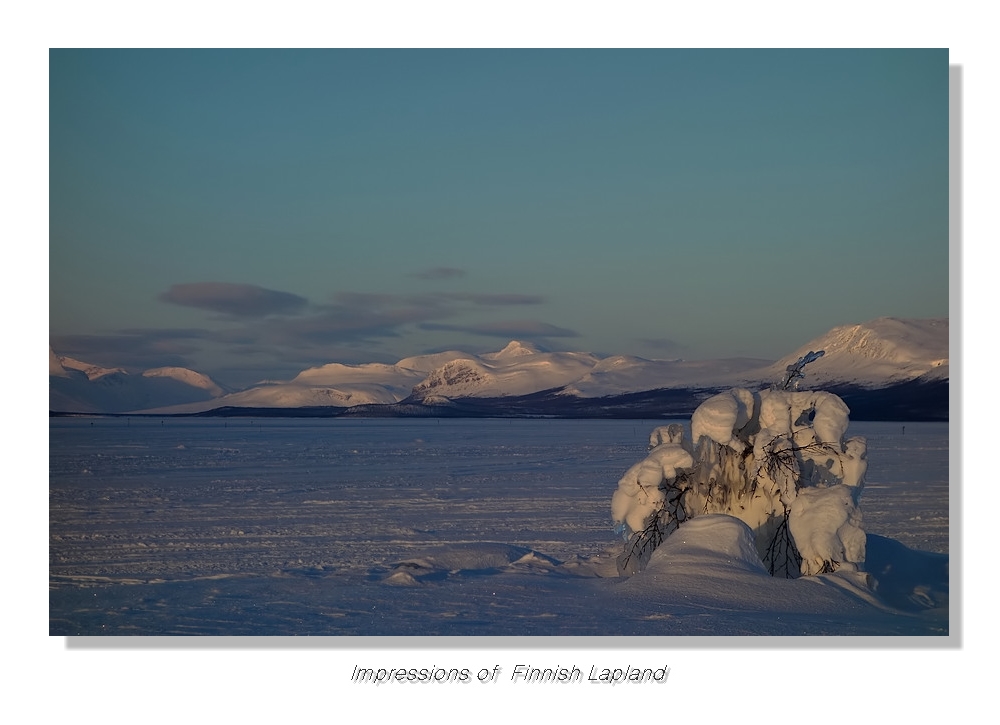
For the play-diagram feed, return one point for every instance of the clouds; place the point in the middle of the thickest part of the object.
(351, 317)
(138, 349)
(506, 329)
(488, 300)
(252, 331)
(365, 316)
(237, 300)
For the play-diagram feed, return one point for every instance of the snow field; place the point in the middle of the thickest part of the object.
(469, 527)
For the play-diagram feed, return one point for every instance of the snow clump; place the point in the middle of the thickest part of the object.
(777, 459)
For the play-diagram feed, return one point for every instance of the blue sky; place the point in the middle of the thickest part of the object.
(252, 213)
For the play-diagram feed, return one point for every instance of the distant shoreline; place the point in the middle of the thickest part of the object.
(907, 402)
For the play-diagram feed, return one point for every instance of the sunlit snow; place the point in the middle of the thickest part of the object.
(777, 460)
(877, 353)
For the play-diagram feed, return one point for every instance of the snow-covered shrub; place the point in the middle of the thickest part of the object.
(776, 459)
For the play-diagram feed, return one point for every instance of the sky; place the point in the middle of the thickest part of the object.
(251, 213)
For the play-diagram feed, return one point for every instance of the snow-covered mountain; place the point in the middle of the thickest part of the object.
(518, 369)
(886, 351)
(65, 367)
(622, 374)
(80, 387)
(878, 354)
(334, 385)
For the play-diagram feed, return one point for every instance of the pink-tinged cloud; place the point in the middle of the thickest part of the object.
(434, 299)
(133, 349)
(352, 317)
(493, 299)
(237, 300)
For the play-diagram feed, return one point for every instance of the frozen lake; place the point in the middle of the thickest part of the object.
(412, 527)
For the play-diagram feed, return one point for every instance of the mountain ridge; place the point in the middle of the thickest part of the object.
(879, 354)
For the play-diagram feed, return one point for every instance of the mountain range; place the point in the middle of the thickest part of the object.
(887, 369)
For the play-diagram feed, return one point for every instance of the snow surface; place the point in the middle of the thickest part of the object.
(450, 527)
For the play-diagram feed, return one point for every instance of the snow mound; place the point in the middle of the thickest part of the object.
(468, 560)
(401, 578)
(711, 565)
(711, 541)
